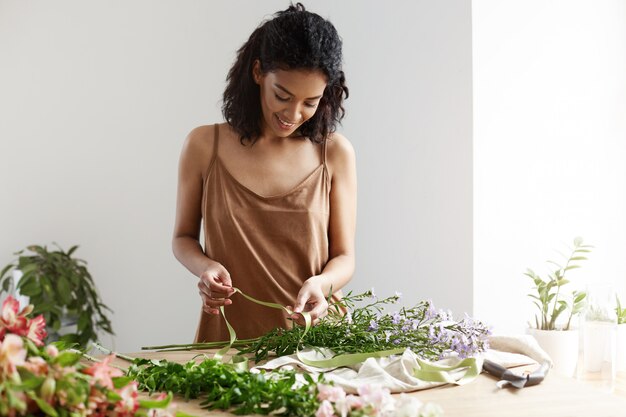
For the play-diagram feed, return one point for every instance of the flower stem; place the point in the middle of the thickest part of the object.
(110, 352)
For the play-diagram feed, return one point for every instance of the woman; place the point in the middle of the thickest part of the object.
(274, 186)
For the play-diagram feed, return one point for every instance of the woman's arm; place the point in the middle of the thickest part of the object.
(340, 267)
(215, 285)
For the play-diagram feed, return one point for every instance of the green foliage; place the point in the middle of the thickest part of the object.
(221, 386)
(549, 299)
(621, 312)
(349, 329)
(61, 288)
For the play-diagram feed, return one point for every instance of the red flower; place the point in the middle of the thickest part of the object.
(129, 403)
(37, 330)
(10, 320)
(13, 322)
(102, 372)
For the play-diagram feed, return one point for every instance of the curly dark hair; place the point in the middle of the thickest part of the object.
(293, 39)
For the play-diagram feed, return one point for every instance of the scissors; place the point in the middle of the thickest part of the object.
(510, 378)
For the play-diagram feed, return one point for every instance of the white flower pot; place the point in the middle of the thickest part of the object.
(561, 346)
(621, 348)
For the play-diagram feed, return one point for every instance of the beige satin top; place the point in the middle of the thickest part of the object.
(269, 244)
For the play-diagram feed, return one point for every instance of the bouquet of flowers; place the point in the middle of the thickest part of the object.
(351, 327)
(36, 379)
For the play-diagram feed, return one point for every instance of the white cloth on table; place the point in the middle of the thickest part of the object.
(396, 372)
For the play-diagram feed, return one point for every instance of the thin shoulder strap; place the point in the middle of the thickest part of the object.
(216, 139)
(324, 152)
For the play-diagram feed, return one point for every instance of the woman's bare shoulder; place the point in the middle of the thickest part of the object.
(200, 139)
(198, 148)
(339, 153)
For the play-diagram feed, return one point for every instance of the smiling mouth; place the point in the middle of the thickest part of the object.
(284, 123)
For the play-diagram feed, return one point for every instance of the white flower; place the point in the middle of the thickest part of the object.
(407, 406)
(330, 393)
(325, 410)
(431, 410)
(376, 397)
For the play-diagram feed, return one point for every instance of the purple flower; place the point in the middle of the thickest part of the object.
(431, 312)
(395, 318)
(373, 325)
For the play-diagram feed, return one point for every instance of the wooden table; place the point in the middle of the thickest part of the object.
(556, 396)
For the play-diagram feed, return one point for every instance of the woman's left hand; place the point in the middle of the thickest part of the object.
(311, 299)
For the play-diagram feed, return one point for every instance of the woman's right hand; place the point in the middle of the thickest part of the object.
(215, 288)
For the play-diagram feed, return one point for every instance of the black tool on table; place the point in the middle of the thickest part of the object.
(508, 377)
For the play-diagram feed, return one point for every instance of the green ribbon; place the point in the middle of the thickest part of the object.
(438, 373)
(428, 371)
(347, 359)
(241, 362)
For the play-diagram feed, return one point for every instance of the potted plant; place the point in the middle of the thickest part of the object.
(621, 337)
(553, 323)
(61, 289)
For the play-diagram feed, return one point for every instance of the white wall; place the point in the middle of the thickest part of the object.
(549, 146)
(97, 97)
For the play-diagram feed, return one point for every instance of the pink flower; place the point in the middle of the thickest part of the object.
(375, 396)
(37, 330)
(129, 403)
(330, 393)
(36, 365)
(97, 403)
(12, 354)
(102, 372)
(325, 410)
(354, 402)
(10, 306)
(52, 351)
(13, 322)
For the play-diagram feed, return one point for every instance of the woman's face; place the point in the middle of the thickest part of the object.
(288, 98)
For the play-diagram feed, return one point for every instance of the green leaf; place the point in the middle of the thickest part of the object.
(72, 250)
(156, 403)
(67, 358)
(6, 269)
(29, 381)
(6, 285)
(578, 258)
(558, 265)
(121, 381)
(572, 267)
(84, 321)
(113, 396)
(29, 287)
(43, 406)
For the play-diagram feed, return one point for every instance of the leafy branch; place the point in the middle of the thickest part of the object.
(221, 386)
(621, 312)
(61, 288)
(347, 328)
(549, 300)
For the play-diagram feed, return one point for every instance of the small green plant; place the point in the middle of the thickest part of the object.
(61, 289)
(621, 312)
(549, 299)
